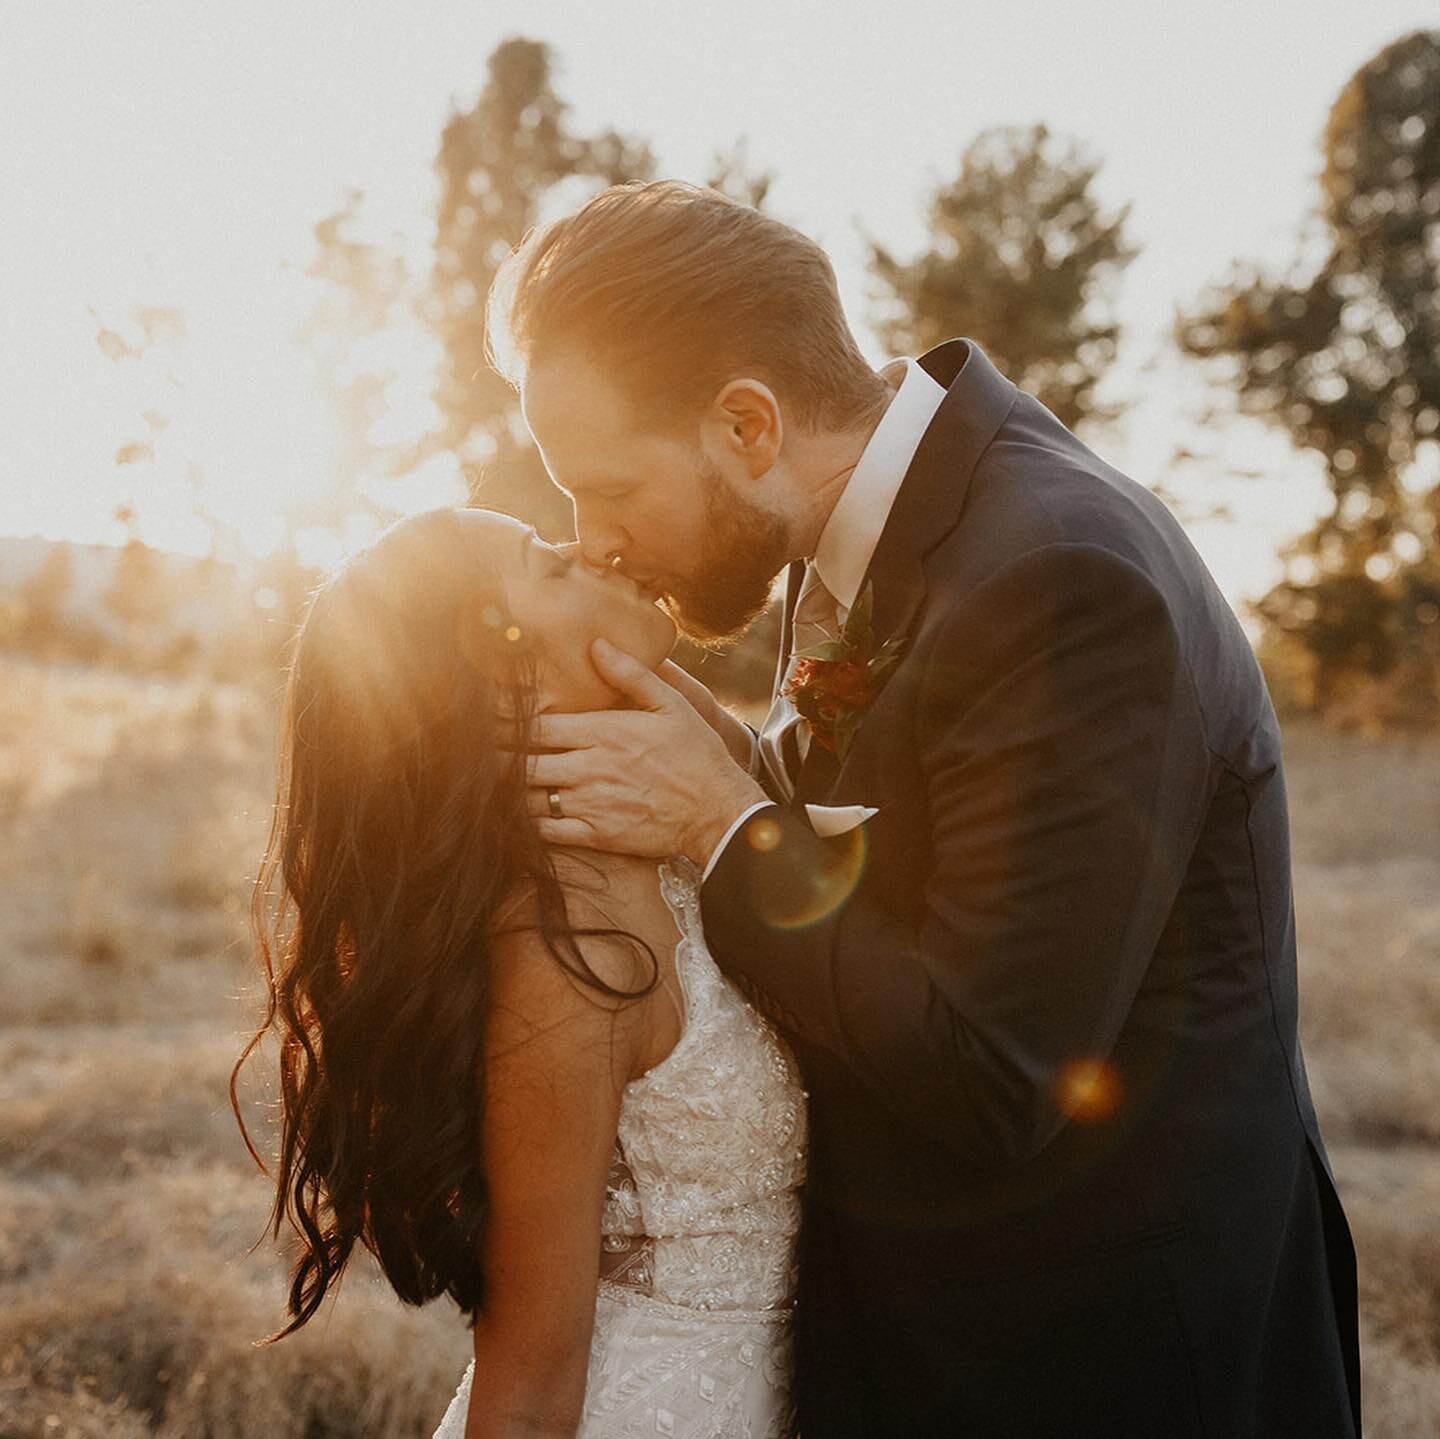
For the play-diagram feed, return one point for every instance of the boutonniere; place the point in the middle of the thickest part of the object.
(834, 683)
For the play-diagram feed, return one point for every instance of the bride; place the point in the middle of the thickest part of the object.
(514, 1074)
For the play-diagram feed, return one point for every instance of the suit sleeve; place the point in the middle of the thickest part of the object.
(1067, 774)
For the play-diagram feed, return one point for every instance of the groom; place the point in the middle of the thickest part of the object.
(1017, 891)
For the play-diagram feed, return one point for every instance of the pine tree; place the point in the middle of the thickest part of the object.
(1022, 258)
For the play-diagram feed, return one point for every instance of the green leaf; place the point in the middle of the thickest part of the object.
(858, 633)
(878, 669)
(831, 650)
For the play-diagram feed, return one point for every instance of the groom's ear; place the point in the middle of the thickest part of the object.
(746, 425)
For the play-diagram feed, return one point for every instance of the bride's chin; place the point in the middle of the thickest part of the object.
(665, 631)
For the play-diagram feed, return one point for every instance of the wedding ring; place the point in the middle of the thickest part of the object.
(553, 796)
(615, 561)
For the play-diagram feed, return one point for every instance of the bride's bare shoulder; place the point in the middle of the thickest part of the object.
(587, 878)
(615, 899)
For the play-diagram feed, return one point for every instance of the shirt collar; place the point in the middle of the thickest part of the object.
(847, 543)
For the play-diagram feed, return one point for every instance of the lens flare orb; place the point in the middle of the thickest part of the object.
(1089, 1090)
(792, 887)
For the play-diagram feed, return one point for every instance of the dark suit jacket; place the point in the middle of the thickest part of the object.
(1066, 1178)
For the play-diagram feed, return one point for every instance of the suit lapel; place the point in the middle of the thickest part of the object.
(817, 776)
(932, 495)
(926, 509)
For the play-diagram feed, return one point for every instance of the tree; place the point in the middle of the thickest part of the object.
(1344, 355)
(499, 163)
(140, 595)
(731, 174)
(1022, 258)
(505, 165)
(44, 599)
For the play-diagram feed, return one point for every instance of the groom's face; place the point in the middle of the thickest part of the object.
(700, 539)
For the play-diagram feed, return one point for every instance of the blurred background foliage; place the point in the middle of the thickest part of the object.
(1023, 258)
(499, 164)
(1341, 353)
(1344, 356)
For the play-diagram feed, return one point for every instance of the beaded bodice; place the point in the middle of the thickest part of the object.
(702, 1209)
(693, 1322)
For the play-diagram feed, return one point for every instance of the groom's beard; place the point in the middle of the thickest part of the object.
(745, 548)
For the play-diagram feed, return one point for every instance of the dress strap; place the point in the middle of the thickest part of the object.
(680, 889)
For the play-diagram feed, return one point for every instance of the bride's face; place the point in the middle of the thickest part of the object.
(561, 606)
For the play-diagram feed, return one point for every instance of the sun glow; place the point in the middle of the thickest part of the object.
(220, 433)
(226, 437)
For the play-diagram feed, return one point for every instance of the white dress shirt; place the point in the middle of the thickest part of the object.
(845, 549)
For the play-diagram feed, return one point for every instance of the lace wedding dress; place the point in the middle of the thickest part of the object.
(692, 1311)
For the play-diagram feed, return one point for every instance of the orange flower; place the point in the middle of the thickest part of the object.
(833, 685)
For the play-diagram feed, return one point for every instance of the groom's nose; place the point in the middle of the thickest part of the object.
(599, 544)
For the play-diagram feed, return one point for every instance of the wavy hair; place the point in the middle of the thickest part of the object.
(400, 842)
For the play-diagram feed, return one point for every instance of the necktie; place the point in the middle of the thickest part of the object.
(785, 738)
(815, 619)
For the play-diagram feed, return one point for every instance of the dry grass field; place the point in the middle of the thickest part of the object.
(131, 813)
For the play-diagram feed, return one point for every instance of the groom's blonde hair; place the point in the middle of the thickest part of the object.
(676, 290)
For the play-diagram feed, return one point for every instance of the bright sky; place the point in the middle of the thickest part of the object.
(179, 154)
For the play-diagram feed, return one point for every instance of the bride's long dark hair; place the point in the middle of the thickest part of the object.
(400, 835)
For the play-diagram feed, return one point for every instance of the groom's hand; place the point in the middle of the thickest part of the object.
(738, 740)
(657, 780)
